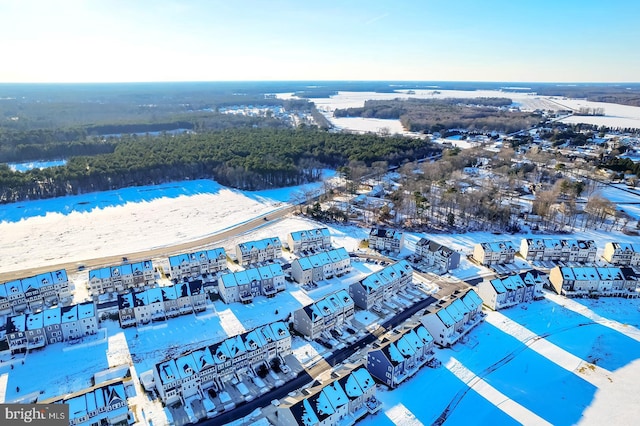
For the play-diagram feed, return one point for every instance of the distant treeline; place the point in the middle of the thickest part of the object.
(436, 115)
(241, 158)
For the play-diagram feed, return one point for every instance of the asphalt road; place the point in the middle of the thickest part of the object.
(303, 378)
(151, 253)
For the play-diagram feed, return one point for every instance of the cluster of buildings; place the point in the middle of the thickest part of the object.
(324, 315)
(348, 397)
(29, 331)
(140, 307)
(216, 365)
(243, 286)
(34, 293)
(116, 279)
(193, 265)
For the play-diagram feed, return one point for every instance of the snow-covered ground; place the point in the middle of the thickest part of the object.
(616, 115)
(575, 373)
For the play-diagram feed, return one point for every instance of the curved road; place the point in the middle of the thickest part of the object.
(154, 252)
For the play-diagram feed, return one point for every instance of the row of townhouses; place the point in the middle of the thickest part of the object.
(321, 266)
(310, 239)
(622, 254)
(104, 404)
(436, 255)
(243, 286)
(500, 293)
(213, 366)
(140, 307)
(324, 315)
(192, 265)
(115, 279)
(264, 250)
(557, 250)
(384, 239)
(400, 353)
(34, 293)
(35, 330)
(372, 291)
(448, 321)
(350, 396)
(494, 253)
(588, 281)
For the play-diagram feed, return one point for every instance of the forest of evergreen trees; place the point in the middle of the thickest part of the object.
(249, 159)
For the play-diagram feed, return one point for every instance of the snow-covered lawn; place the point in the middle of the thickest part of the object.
(543, 363)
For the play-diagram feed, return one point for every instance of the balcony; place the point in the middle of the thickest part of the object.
(373, 405)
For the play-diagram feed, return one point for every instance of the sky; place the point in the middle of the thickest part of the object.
(213, 40)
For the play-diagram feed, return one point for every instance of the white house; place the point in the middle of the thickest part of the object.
(558, 250)
(494, 253)
(374, 289)
(35, 293)
(243, 286)
(622, 254)
(383, 239)
(310, 239)
(195, 264)
(264, 250)
(499, 293)
(435, 254)
(119, 278)
(328, 313)
(594, 281)
(321, 266)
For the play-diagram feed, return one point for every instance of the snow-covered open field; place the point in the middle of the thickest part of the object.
(616, 115)
(581, 370)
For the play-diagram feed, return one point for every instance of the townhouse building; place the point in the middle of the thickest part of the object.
(435, 254)
(594, 281)
(192, 265)
(343, 401)
(136, 308)
(384, 239)
(329, 313)
(104, 404)
(400, 353)
(558, 250)
(30, 331)
(321, 266)
(500, 293)
(264, 250)
(373, 290)
(622, 254)
(214, 365)
(494, 253)
(116, 279)
(34, 293)
(310, 239)
(243, 286)
(448, 321)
